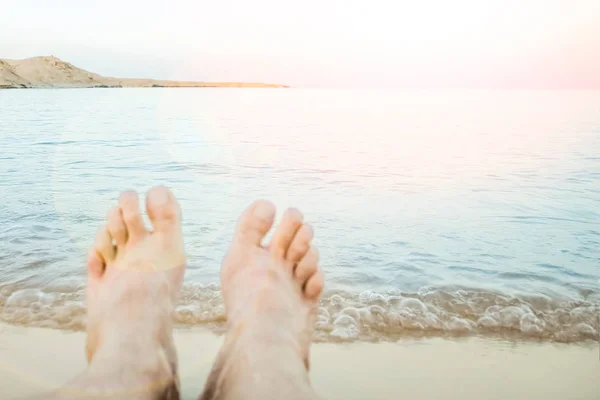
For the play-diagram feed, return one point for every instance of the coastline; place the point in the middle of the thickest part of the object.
(148, 87)
(36, 360)
(53, 73)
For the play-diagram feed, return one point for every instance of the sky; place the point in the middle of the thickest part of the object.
(486, 44)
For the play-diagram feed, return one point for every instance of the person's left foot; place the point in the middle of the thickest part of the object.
(134, 277)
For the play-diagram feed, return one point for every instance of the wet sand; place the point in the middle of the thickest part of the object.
(35, 360)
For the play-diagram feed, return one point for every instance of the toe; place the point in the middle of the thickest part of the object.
(307, 267)
(116, 226)
(95, 264)
(282, 239)
(300, 244)
(163, 209)
(102, 253)
(314, 285)
(130, 208)
(255, 222)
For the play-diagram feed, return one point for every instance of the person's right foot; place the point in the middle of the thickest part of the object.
(271, 293)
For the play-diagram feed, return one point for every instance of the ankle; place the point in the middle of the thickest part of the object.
(263, 344)
(132, 370)
(136, 375)
(251, 366)
(134, 357)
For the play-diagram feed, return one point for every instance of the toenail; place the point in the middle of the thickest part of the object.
(160, 197)
(263, 211)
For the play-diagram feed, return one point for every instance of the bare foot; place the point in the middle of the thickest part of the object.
(134, 277)
(270, 297)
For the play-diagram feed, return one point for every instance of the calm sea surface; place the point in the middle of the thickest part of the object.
(436, 213)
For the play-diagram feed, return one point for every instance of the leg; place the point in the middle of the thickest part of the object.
(270, 297)
(133, 278)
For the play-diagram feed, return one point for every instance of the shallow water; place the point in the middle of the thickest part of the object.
(436, 213)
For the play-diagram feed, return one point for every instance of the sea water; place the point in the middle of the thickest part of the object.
(435, 212)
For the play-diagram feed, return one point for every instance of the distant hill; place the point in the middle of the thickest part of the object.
(52, 72)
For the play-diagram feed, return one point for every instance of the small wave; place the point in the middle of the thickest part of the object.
(54, 143)
(421, 255)
(533, 219)
(344, 316)
(399, 243)
(476, 270)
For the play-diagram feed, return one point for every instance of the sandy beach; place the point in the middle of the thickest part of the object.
(35, 360)
(428, 189)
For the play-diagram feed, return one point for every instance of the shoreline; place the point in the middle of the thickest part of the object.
(142, 87)
(34, 361)
(52, 72)
(349, 316)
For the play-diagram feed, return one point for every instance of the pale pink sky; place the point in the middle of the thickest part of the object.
(319, 43)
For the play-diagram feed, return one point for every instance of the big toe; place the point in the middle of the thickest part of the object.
(163, 209)
(255, 223)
